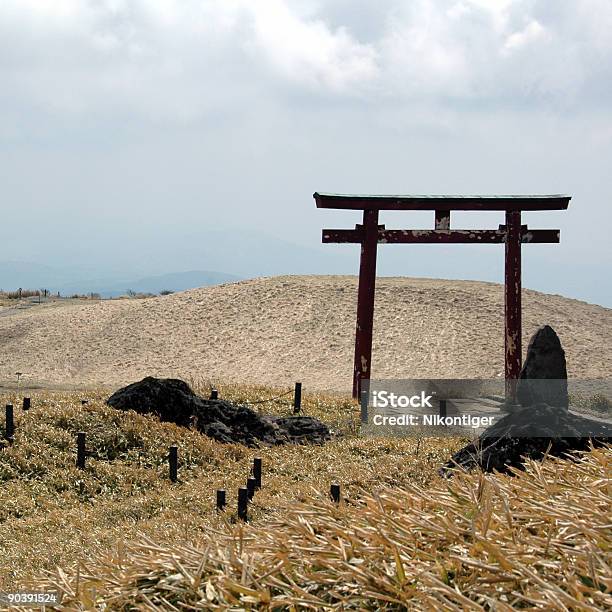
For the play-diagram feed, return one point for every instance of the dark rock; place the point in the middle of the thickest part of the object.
(173, 400)
(543, 377)
(302, 427)
(531, 433)
(168, 398)
(542, 424)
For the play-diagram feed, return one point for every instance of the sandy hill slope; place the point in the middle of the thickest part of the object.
(282, 329)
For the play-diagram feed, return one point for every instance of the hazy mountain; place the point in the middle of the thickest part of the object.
(150, 262)
(239, 253)
(177, 281)
(245, 253)
(15, 274)
(67, 281)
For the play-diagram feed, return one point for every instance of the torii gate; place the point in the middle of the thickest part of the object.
(369, 234)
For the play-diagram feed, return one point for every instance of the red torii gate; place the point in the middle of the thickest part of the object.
(369, 234)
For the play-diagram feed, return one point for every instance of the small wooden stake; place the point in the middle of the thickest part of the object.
(10, 423)
(173, 463)
(214, 394)
(334, 491)
(297, 398)
(251, 485)
(221, 502)
(80, 462)
(27, 402)
(243, 500)
(257, 472)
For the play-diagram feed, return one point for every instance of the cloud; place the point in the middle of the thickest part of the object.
(531, 34)
(180, 60)
(308, 51)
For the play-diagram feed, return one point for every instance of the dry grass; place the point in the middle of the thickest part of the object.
(537, 541)
(53, 514)
(127, 539)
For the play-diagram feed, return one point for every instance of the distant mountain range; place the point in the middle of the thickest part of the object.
(111, 261)
(177, 281)
(36, 276)
(152, 263)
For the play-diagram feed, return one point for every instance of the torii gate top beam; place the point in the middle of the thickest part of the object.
(441, 202)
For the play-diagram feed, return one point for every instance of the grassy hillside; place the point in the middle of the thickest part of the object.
(51, 513)
(278, 330)
(126, 538)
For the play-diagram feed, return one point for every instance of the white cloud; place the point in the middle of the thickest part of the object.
(458, 10)
(184, 59)
(309, 51)
(530, 34)
(498, 9)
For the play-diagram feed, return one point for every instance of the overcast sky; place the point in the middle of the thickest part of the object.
(128, 128)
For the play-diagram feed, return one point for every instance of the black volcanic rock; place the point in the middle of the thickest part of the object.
(173, 400)
(543, 377)
(531, 433)
(541, 424)
(169, 398)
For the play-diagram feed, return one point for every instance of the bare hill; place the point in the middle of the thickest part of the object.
(282, 329)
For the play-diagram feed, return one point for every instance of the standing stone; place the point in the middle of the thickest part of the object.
(542, 426)
(543, 378)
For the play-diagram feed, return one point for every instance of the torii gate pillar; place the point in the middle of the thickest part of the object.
(512, 302)
(365, 300)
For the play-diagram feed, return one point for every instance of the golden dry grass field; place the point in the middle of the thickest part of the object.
(121, 536)
(52, 514)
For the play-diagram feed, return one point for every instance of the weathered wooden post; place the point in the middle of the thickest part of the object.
(364, 406)
(9, 423)
(512, 302)
(251, 484)
(243, 500)
(27, 402)
(80, 461)
(442, 220)
(257, 464)
(221, 501)
(297, 398)
(334, 492)
(173, 463)
(362, 365)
